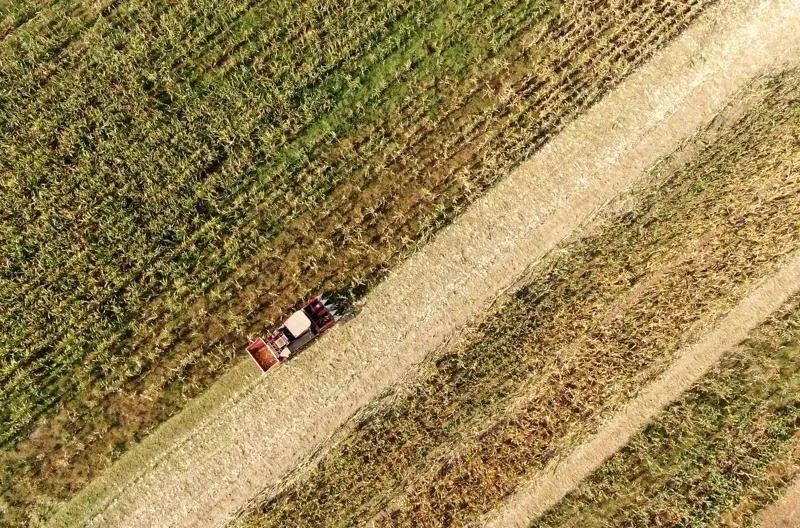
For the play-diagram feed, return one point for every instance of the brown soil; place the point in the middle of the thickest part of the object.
(784, 513)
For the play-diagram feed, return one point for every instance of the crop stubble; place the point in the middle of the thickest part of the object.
(617, 304)
(716, 456)
(416, 138)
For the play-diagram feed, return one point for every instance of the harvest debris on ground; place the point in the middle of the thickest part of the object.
(189, 202)
(591, 326)
(535, 209)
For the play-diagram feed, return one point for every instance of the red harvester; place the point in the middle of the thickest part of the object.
(303, 326)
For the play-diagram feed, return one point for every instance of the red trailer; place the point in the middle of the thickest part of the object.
(303, 326)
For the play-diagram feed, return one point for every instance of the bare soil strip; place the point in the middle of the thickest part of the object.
(718, 456)
(784, 513)
(252, 433)
(593, 323)
(560, 477)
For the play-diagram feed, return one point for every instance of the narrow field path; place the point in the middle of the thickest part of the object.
(561, 477)
(784, 513)
(253, 431)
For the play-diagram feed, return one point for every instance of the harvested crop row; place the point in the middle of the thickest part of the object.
(431, 123)
(716, 456)
(736, 181)
(598, 320)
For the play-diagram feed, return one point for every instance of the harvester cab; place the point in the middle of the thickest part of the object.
(315, 317)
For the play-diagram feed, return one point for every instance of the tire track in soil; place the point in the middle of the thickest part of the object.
(783, 513)
(562, 476)
(258, 430)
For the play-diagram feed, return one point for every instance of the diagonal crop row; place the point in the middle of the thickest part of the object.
(49, 308)
(220, 198)
(614, 359)
(716, 456)
(599, 319)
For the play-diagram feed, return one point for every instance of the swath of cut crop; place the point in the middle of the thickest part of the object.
(612, 362)
(159, 204)
(617, 304)
(564, 474)
(717, 455)
(180, 476)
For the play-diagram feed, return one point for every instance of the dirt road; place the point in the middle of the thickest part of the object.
(241, 438)
(561, 477)
(784, 513)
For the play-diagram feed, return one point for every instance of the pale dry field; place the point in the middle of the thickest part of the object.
(562, 476)
(201, 468)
